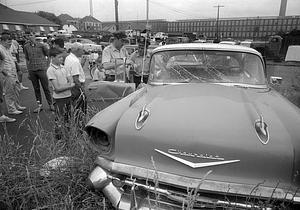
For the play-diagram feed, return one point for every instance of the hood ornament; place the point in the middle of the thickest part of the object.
(141, 118)
(196, 165)
(262, 131)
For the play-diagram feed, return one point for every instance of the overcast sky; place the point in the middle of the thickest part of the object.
(159, 9)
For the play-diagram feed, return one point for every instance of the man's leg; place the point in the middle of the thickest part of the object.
(45, 84)
(10, 96)
(3, 118)
(33, 75)
(20, 77)
(17, 89)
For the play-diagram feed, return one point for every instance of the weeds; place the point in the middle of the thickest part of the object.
(23, 185)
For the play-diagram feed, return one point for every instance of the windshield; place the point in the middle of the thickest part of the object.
(207, 66)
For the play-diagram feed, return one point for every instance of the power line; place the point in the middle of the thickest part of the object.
(30, 3)
(174, 10)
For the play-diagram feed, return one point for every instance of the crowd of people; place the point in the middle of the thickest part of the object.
(44, 62)
(50, 63)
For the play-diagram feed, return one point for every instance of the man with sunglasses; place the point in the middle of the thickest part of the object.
(113, 55)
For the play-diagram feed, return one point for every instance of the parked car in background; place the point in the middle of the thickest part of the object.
(88, 45)
(207, 131)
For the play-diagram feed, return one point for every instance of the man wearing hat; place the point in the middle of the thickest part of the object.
(114, 54)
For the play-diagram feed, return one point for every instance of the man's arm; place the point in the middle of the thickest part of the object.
(60, 88)
(26, 53)
(45, 50)
(76, 80)
(2, 71)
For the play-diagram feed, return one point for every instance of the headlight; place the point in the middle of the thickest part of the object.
(100, 139)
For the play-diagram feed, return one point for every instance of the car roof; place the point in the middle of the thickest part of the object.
(206, 46)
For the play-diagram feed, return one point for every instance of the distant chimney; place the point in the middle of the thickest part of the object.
(282, 8)
(91, 8)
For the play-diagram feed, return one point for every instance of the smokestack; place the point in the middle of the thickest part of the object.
(91, 8)
(282, 8)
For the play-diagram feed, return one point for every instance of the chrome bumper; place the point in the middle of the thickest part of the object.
(101, 179)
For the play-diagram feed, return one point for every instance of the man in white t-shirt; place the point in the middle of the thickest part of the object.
(73, 66)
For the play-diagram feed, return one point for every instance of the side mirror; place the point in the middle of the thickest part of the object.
(275, 80)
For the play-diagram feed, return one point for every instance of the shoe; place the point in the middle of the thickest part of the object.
(21, 108)
(16, 112)
(4, 118)
(38, 109)
(23, 87)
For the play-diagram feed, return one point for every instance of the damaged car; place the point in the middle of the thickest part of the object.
(206, 131)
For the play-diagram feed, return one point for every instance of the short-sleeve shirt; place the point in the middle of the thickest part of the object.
(73, 66)
(7, 62)
(59, 74)
(110, 53)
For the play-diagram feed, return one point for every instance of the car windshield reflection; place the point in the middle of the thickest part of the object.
(220, 67)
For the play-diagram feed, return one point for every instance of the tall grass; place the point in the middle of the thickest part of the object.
(27, 183)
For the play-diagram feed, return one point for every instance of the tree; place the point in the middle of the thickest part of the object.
(50, 16)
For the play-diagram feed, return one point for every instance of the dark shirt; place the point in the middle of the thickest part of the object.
(35, 55)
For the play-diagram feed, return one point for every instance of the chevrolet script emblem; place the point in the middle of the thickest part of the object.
(196, 165)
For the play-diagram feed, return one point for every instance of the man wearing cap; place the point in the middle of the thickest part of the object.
(113, 55)
(37, 64)
(73, 66)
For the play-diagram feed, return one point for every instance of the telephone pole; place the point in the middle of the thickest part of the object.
(147, 16)
(116, 15)
(218, 16)
(91, 8)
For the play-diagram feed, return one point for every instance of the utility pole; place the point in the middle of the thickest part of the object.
(147, 16)
(91, 8)
(116, 15)
(218, 16)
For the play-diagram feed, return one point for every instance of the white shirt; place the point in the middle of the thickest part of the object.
(73, 66)
(59, 74)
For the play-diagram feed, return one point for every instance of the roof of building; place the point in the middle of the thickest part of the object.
(10, 16)
(124, 25)
(90, 19)
(108, 27)
(239, 18)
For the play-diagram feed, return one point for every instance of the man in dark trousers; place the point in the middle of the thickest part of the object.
(37, 64)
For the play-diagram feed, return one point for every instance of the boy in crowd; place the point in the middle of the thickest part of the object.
(61, 82)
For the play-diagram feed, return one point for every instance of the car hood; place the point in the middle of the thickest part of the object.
(194, 128)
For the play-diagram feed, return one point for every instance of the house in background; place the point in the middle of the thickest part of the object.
(69, 28)
(89, 23)
(19, 21)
